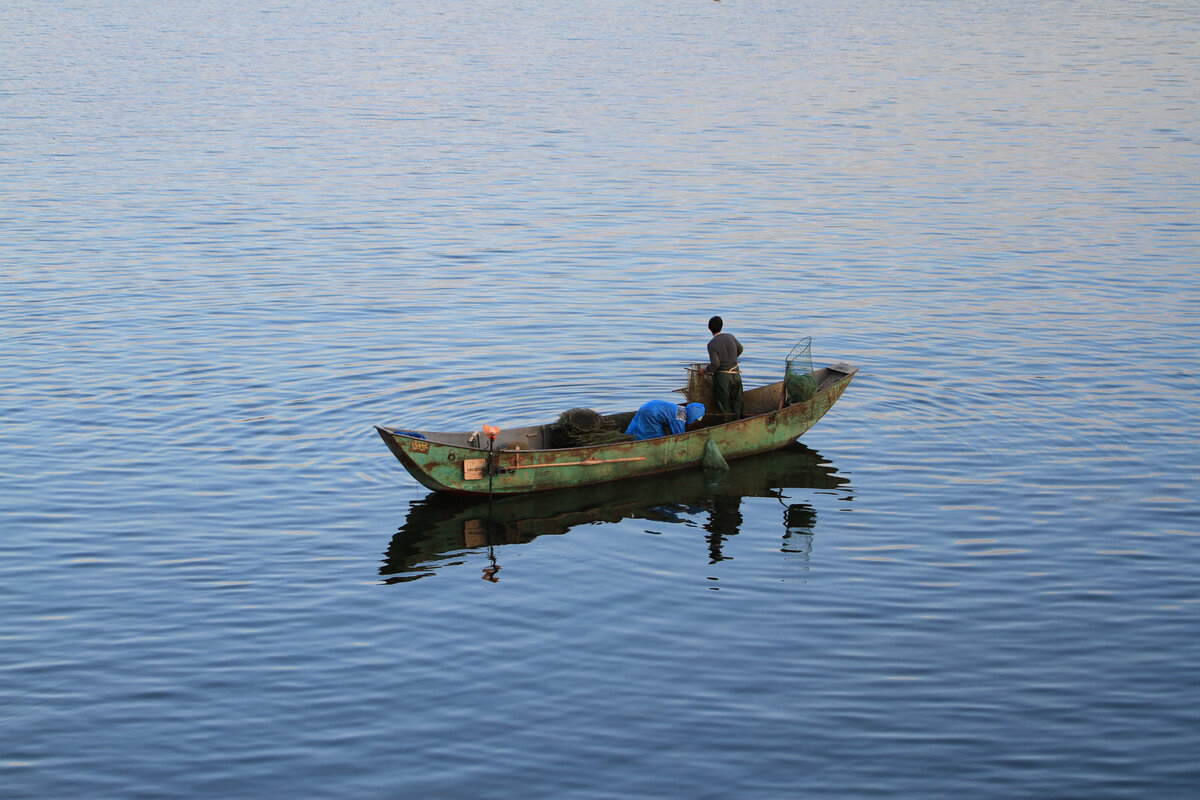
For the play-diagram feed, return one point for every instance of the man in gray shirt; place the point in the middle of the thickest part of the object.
(723, 352)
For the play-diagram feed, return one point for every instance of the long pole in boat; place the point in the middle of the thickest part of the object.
(491, 431)
(489, 573)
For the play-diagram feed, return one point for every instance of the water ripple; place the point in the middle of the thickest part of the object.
(235, 238)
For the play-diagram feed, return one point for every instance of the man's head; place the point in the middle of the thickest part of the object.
(693, 413)
(715, 324)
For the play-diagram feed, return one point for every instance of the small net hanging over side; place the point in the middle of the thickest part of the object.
(712, 457)
(798, 378)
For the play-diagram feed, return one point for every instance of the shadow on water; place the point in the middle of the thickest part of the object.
(439, 528)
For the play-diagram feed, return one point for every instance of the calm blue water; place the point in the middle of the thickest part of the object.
(235, 236)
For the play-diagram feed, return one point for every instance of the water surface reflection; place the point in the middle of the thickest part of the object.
(440, 528)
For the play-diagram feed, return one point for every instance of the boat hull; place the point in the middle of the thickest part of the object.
(467, 470)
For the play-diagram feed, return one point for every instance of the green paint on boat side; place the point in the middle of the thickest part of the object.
(464, 470)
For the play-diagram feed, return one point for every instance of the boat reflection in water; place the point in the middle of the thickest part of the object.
(440, 528)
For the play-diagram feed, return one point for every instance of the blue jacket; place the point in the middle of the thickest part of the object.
(663, 418)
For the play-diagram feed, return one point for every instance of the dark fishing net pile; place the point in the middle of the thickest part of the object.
(582, 427)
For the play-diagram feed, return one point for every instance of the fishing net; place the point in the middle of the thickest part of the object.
(798, 377)
(582, 419)
(580, 427)
(712, 457)
(699, 387)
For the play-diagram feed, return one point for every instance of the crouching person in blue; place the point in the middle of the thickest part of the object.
(664, 418)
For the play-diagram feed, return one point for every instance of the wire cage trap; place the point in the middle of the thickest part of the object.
(798, 379)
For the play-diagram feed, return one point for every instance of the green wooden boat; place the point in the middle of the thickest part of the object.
(524, 459)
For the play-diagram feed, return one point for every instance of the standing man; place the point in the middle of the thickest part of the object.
(723, 352)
